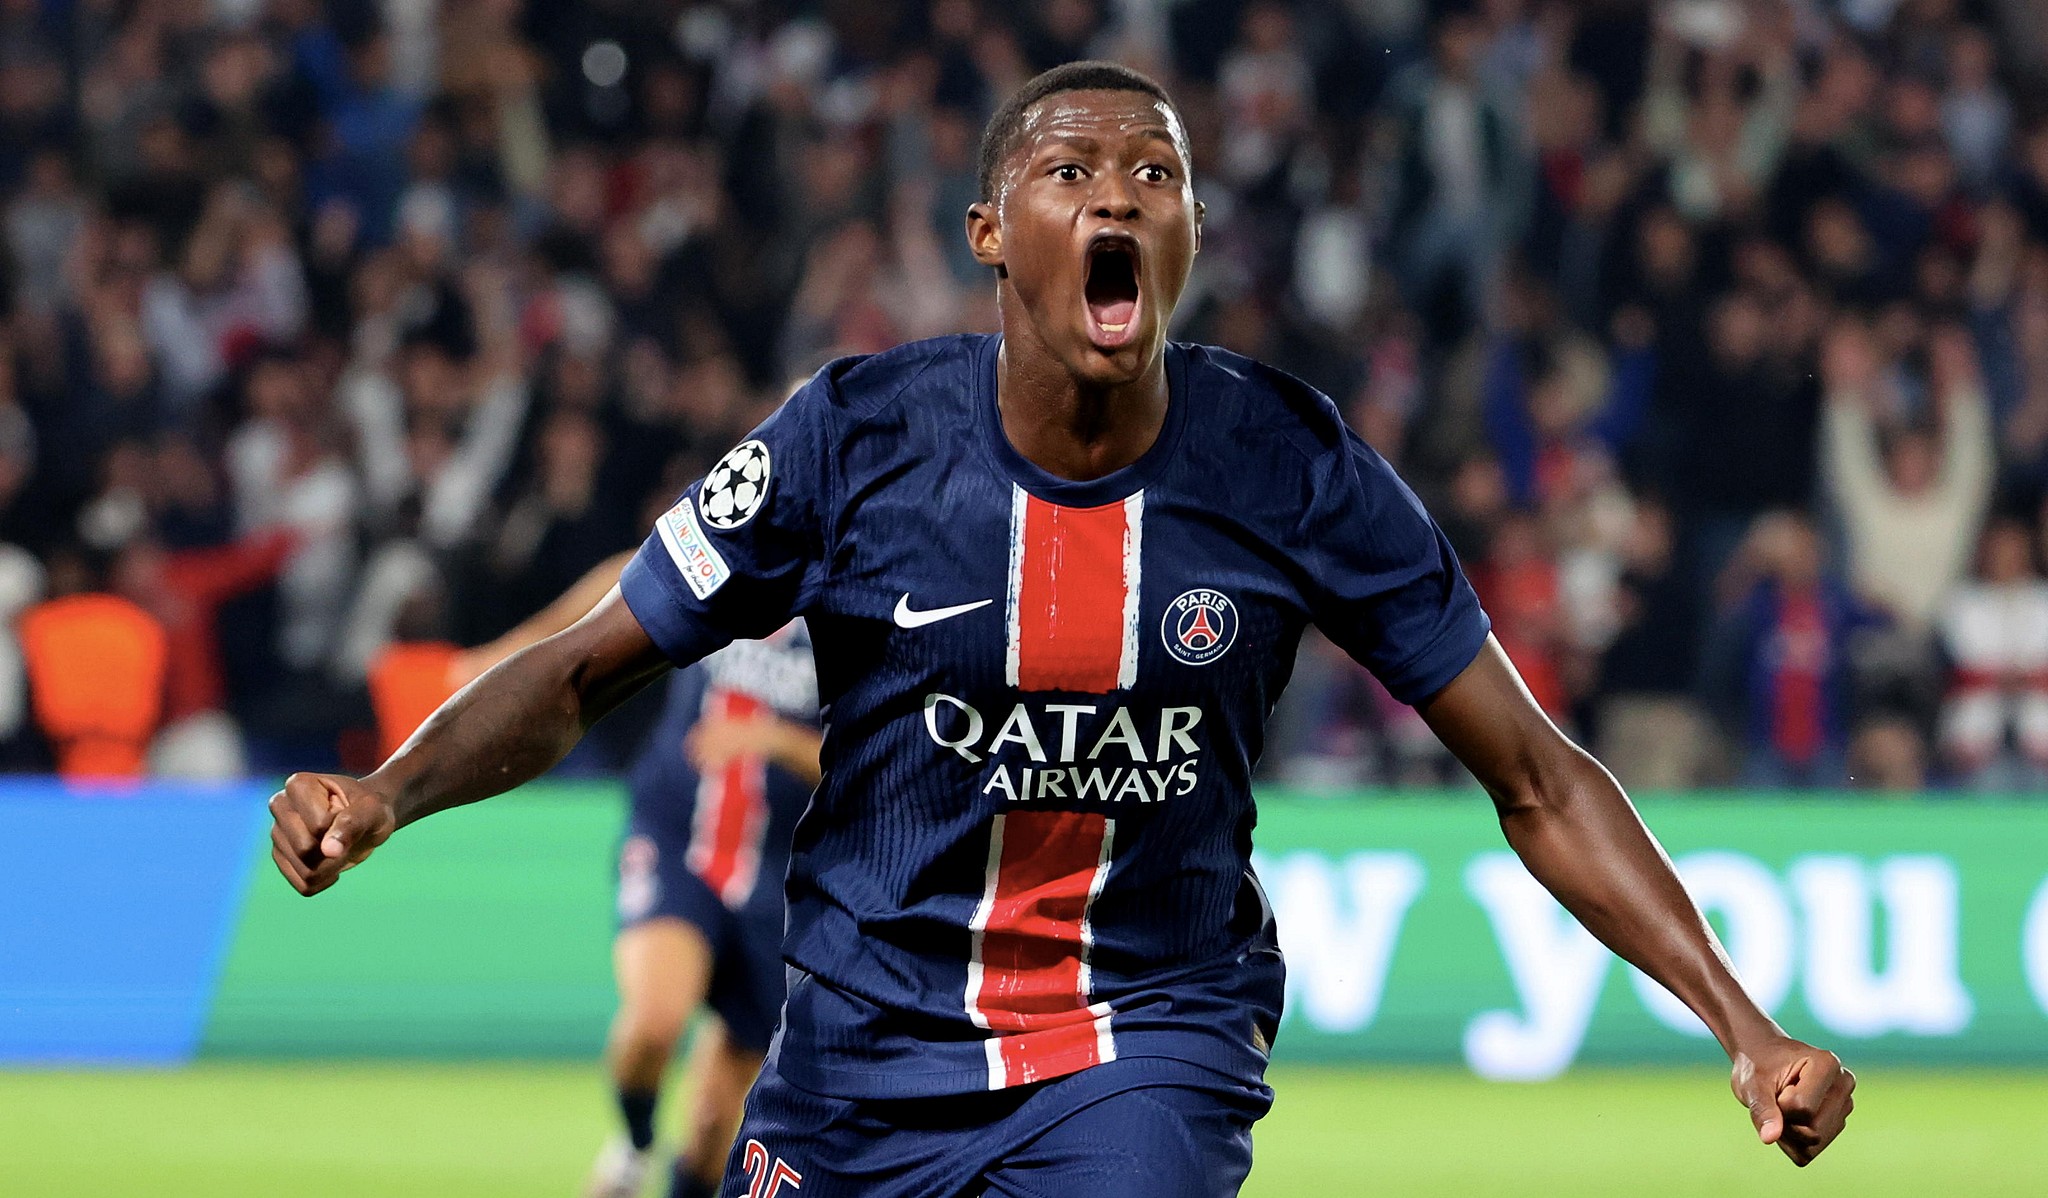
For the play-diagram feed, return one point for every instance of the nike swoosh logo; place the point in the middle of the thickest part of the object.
(907, 618)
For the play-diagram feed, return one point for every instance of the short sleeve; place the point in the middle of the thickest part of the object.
(742, 552)
(1384, 584)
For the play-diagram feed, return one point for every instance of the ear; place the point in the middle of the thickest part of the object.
(985, 236)
(1201, 210)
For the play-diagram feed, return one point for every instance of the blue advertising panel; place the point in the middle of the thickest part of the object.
(116, 909)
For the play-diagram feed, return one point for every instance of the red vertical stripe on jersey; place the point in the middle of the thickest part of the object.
(1073, 597)
(1028, 981)
(732, 809)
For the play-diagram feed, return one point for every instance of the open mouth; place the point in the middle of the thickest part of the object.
(1111, 289)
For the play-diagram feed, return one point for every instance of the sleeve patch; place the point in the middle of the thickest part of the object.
(736, 486)
(695, 558)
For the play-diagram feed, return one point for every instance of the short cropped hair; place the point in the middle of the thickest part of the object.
(999, 138)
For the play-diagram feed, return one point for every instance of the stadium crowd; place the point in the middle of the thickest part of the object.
(1715, 332)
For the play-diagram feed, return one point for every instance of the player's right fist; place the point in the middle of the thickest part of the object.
(322, 824)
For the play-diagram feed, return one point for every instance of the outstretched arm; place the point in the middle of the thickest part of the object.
(505, 729)
(1579, 835)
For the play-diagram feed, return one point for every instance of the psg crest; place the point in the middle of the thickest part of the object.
(736, 487)
(1199, 626)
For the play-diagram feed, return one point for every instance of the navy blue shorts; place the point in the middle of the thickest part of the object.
(1142, 1127)
(747, 976)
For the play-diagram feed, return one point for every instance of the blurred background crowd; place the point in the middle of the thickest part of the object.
(1715, 332)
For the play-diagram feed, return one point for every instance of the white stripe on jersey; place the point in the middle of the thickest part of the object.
(1134, 546)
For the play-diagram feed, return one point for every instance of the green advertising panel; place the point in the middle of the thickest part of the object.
(1897, 932)
(483, 932)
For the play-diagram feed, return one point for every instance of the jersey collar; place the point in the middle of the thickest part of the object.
(1110, 488)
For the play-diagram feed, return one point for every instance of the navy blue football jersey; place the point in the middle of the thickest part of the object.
(734, 823)
(1043, 700)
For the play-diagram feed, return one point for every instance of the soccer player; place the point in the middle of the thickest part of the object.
(714, 796)
(1055, 579)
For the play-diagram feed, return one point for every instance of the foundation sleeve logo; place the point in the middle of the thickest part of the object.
(700, 565)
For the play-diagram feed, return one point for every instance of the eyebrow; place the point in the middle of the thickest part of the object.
(1077, 140)
(1082, 141)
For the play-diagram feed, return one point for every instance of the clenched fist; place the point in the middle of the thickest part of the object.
(1798, 1096)
(322, 824)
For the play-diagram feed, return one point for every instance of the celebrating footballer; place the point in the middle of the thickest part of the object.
(1054, 580)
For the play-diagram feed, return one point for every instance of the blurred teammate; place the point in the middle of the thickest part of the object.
(714, 796)
(1056, 580)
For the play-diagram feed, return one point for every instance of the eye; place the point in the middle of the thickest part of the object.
(1152, 172)
(1067, 172)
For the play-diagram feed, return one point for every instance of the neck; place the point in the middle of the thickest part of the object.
(1072, 428)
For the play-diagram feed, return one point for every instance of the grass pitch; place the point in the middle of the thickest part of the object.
(323, 1130)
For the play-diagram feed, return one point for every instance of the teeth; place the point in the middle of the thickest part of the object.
(1116, 328)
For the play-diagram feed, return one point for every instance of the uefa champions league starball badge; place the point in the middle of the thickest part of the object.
(736, 487)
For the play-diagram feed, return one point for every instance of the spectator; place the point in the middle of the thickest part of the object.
(42, 222)
(1780, 669)
(561, 526)
(1744, 433)
(368, 120)
(1458, 180)
(1720, 140)
(1976, 115)
(1518, 582)
(439, 426)
(237, 287)
(1994, 726)
(285, 270)
(184, 589)
(1651, 732)
(22, 584)
(1551, 406)
(1264, 86)
(1910, 504)
(286, 471)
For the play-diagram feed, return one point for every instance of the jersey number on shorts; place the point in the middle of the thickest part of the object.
(768, 1177)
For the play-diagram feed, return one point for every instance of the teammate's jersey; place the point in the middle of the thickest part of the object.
(1030, 851)
(737, 820)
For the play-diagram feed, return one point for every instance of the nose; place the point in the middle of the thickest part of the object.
(1116, 198)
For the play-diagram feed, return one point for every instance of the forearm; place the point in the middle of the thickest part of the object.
(1581, 838)
(521, 717)
(796, 747)
(1849, 444)
(1568, 820)
(1970, 457)
(505, 729)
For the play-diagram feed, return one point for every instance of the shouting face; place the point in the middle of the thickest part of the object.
(1092, 224)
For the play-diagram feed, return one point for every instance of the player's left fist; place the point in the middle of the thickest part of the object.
(322, 824)
(1798, 1096)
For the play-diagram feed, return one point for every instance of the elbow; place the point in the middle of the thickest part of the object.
(1515, 802)
(556, 681)
(1547, 785)
(1524, 800)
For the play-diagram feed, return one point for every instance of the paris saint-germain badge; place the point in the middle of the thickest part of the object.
(1199, 626)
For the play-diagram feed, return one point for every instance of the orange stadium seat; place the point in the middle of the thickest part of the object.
(408, 680)
(96, 666)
